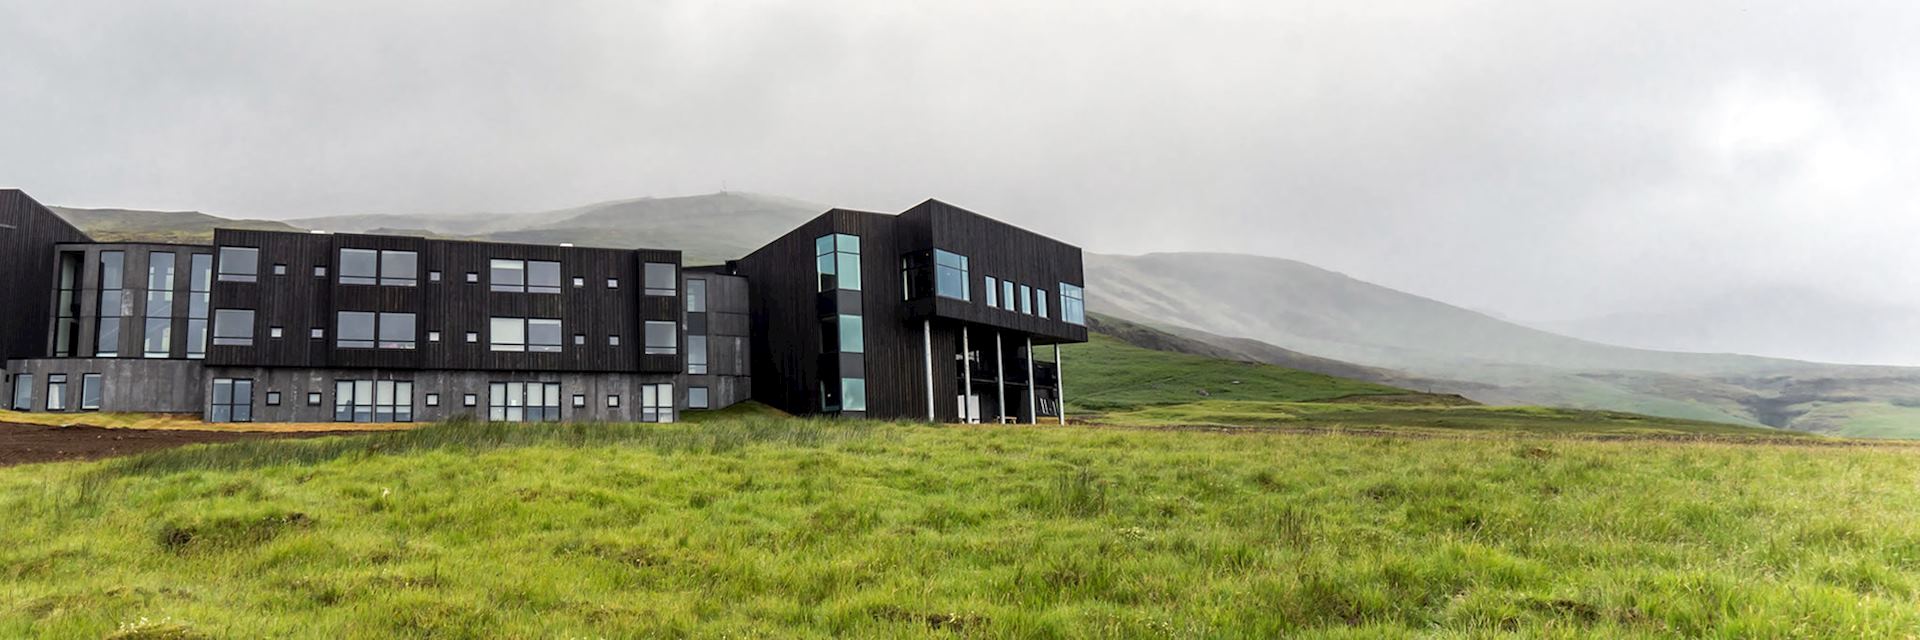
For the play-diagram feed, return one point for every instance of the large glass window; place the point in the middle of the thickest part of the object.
(115, 304)
(837, 260)
(23, 392)
(523, 401)
(1026, 299)
(399, 268)
(951, 279)
(662, 338)
(507, 275)
(372, 401)
(90, 392)
(540, 335)
(543, 335)
(853, 394)
(656, 403)
(543, 276)
(56, 392)
(233, 327)
(355, 329)
(232, 399)
(158, 338)
(696, 295)
(66, 328)
(1073, 304)
(199, 303)
(696, 354)
(359, 266)
(239, 264)
(396, 330)
(660, 279)
(844, 333)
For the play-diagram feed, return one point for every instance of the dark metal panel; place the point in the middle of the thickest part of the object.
(27, 272)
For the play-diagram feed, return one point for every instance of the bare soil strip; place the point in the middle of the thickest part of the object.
(30, 443)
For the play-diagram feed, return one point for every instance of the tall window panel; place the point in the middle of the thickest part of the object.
(1073, 304)
(656, 403)
(115, 303)
(837, 261)
(23, 392)
(66, 327)
(90, 391)
(696, 355)
(696, 295)
(157, 340)
(56, 392)
(199, 303)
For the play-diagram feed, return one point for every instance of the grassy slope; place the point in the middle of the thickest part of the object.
(1105, 374)
(788, 528)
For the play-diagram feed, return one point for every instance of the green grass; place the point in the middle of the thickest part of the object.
(776, 527)
(1106, 374)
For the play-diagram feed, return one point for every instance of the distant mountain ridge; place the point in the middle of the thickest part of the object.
(1235, 306)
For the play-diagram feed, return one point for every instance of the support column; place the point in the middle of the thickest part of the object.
(1059, 386)
(966, 377)
(1000, 378)
(1033, 388)
(926, 334)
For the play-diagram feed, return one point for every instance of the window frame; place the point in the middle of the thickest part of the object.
(252, 264)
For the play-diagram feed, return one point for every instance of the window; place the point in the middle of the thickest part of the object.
(837, 260)
(696, 354)
(56, 392)
(659, 279)
(273, 398)
(656, 402)
(90, 390)
(115, 304)
(313, 398)
(613, 400)
(399, 268)
(232, 398)
(580, 339)
(317, 333)
(1026, 299)
(613, 283)
(368, 266)
(473, 277)
(372, 401)
(543, 335)
(1040, 301)
(359, 266)
(663, 338)
(239, 264)
(469, 400)
(523, 401)
(579, 282)
(199, 303)
(23, 392)
(320, 271)
(369, 330)
(696, 397)
(853, 394)
(951, 279)
(274, 332)
(538, 335)
(1073, 304)
(433, 276)
(613, 341)
(233, 327)
(579, 401)
(66, 328)
(433, 336)
(433, 399)
(354, 329)
(1006, 294)
(524, 276)
(157, 340)
(993, 293)
(473, 336)
(279, 270)
(843, 333)
(696, 295)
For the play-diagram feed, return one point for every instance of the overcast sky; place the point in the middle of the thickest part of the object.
(1539, 159)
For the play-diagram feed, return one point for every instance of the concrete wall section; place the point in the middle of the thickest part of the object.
(448, 388)
(134, 385)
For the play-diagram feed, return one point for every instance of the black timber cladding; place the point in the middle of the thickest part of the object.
(28, 235)
(299, 301)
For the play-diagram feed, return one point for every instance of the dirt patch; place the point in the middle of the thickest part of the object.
(29, 443)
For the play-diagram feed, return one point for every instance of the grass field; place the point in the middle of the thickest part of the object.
(1105, 374)
(780, 527)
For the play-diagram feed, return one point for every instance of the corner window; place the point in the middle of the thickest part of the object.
(233, 327)
(844, 333)
(660, 279)
(950, 275)
(837, 261)
(239, 264)
(663, 338)
(1073, 304)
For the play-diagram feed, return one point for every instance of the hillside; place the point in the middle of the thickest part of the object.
(129, 225)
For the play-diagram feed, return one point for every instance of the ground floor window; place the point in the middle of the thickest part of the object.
(656, 403)
(523, 401)
(373, 401)
(696, 397)
(23, 392)
(56, 392)
(90, 384)
(232, 400)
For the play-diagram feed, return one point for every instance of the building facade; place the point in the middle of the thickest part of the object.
(931, 314)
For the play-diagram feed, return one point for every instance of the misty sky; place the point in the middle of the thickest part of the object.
(1544, 160)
